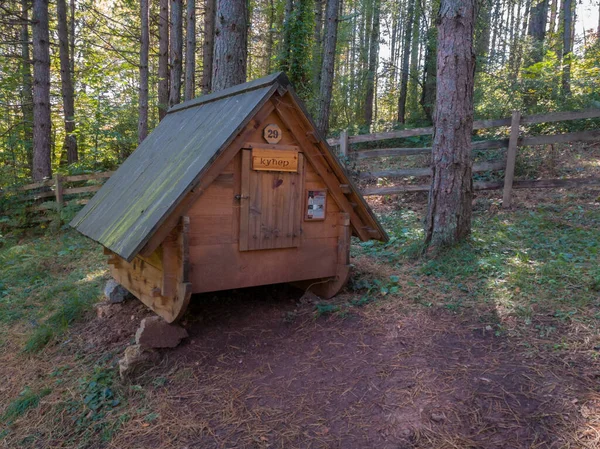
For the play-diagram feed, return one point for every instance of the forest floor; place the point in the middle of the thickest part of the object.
(493, 344)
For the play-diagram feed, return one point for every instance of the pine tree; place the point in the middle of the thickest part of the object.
(449, 209)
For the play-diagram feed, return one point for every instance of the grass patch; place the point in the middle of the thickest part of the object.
(27, 399)
(545, 259)
(48, 282)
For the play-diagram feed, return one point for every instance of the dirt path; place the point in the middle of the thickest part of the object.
(260, 372)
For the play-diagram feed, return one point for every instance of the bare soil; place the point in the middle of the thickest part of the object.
(260, 371)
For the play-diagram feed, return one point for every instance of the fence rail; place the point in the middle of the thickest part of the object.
(507, 163)
(57, 188)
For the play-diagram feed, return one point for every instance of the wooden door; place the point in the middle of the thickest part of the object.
(270, 206)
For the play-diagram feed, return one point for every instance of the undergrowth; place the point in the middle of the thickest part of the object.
(544, 259)
(48, 282)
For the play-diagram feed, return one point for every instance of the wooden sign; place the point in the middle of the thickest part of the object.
(316, 205)
(272, 133)
(274, 160)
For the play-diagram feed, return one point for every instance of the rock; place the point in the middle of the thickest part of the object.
(115, 292)
(438, 417)
(154, 332)
(134, 359)
(309, 298)
(104, 310)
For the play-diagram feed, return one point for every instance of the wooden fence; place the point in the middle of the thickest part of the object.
(58, 188)
(507, 163)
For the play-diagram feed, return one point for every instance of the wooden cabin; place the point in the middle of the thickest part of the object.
(232, 189)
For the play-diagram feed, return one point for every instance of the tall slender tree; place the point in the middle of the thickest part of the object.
(26, 83)
(190, 50)
(449, 209)
(42, 167)
(163, 58)
(373, 59)
(405, 61)
(143, 91)
(67, 91)
(567, 12)
(176, 51)
(231, 43)
(208, 46)
(317, 44)
(327, 65)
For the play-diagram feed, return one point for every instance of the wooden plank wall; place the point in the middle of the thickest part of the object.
(217, 263)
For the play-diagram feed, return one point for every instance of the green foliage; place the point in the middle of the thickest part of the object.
(26, 400)
(296, 54)
(547, 256)
(50, 282)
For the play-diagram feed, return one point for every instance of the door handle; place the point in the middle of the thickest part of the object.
(240, 197)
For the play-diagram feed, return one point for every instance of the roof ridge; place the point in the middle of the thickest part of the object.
(277, 77)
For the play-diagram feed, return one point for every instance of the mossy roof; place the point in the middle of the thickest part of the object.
(170, 162)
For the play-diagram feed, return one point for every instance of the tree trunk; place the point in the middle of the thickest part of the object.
(449, 208)
(430, 66)
(413, 71)
(271, 31)
(208, 46)
(327, 65)
(231, 43)
(482, 34)
(26, 84)
(143, 94)
(163, 59)
(537, 30)
(566, 56)
(284, 57)
(553, 8)
(190, 50)
(68, 95)
(405, 61)
(72, 37)
(373, 59)
(176, 51)
(42, 166)
(317, 45)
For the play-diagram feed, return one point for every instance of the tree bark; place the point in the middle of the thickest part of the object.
(163, 59)
(413, 71)
(567, 49)
(449, 209)
(68, 94)
(231, 43)
(372, 72)
(208, 45)
(190, 50)
(405, 61)
(327, 65)
(537, 30)
(176, 51)
(143, 93)
(26, 84)
(72, 36)
(271, 31)
(553, 8)
(42, 166)
(482, 34)
(317, 45)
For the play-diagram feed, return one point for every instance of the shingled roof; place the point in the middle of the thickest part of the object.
(170, 162)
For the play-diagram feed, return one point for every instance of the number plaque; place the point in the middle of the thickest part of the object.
(272, 133)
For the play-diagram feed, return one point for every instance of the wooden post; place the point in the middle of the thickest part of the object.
(511, 157)
(58, 192)
(344, 143)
